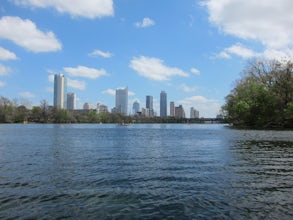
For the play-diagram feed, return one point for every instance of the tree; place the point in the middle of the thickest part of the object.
(6, 110)
(262, 97)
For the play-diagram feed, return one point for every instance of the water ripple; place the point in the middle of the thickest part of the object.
(144, 172)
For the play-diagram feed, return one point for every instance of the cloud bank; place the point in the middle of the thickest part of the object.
(25, 33)
(86, 72)
(86, 8)
(154, 68)
(6, 54)
(268, 22)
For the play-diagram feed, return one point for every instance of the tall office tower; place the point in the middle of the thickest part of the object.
(135, 107)
(71, 101)
(149, 102)
(149, 106)
(121, 101)
(172, 109)
(194, 113)
(60, 91)
(163, 104)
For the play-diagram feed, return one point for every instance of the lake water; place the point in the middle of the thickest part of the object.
(159, 171)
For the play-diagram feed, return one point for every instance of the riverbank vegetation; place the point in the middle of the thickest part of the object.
(11, 112)
(263, 98)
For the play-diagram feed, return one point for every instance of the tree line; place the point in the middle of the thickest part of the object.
(263, 97)
(11, 112)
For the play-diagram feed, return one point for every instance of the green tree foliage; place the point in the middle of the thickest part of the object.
(263, 97)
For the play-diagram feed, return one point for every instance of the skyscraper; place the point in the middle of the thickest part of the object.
(172, 109)
(163, 104)
(149, 106)
(149, 102)
(60, 90)
(194, 113)
(71, 101)
(135, 107)
(121, 101)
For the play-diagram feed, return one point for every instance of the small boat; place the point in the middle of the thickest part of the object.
(124, 124)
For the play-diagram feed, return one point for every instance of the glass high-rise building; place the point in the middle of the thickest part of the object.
(121, 101)
(60, 91)
(71, 101)
(149, 102)
(163, 104)
(135, 107)
(149, 106)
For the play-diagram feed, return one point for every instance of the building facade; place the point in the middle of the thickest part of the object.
(194, 113)
(149, 106)
(60, 91)
(179, 112)
(101, 108)
(88, 106)
(121, 101)
(172, 109)
(163, 104)
(71, 101)
(135, 107)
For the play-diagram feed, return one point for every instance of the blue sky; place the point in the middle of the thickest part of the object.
(194, 50)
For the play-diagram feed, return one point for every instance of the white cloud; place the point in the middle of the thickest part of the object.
(130, 93)
(26, 95)
(76, 8)
(195, 71)
(100, 53)
(109, 92)
(208, 108)
(2, 84)
(154, 68)
(112, 92)
(186, 88)
(7, 55)
(25, 34)
(268, 22)
(51, 78)
(76, 84)
(146, 22)
(4, 70)
(86, 72)
(238, 50)
(278, 54)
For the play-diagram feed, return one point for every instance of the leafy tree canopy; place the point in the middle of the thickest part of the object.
(263, 97)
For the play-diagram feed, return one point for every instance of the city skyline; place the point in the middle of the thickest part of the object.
(194, 50)
(64, 100)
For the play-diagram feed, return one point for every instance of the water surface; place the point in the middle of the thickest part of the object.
(144, 172)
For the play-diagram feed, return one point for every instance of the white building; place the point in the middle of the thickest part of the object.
(194, 113)
(60, 91)
(172, 109)
(88, 106)
(101, 108)
(121, 101)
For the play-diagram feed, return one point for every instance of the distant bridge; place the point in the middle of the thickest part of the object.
(205, 120)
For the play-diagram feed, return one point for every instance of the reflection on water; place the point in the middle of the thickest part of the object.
(144, 172)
